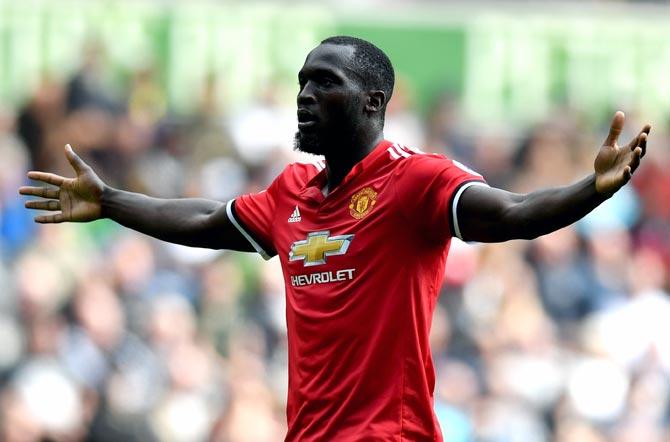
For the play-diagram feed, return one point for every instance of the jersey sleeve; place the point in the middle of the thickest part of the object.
(429, 188)
(253, 215)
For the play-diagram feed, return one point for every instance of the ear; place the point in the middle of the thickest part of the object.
(376, 101)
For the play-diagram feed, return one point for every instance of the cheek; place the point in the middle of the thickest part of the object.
(342, 108)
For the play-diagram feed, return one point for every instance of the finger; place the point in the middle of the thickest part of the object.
(44, 192)
(50, 219)
(43, 205)
(643, 141)
(50, 178)
(615, 129)
(635, 161)
(627, 174)
(640, 136)
(77, 163)
(634, 142)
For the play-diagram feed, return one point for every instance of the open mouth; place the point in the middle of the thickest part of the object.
(306, 119)
(306, 124)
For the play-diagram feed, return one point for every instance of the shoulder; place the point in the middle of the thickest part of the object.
(412, 161)
(408, 156)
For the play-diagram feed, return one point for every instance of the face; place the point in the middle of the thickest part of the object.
(330, 100)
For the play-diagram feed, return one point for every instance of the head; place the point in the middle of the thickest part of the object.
(345, 85)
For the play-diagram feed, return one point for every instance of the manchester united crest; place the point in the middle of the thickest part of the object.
(362, 202)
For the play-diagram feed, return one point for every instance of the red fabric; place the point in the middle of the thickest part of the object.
(360, 367)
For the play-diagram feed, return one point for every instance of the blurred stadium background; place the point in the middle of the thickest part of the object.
(109, 335)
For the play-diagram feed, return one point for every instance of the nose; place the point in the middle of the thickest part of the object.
(306, 94)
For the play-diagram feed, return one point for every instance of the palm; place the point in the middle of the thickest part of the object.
(80, 199)
(73, 199)
(614, 165)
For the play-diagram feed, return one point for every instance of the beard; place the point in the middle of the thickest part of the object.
(308, 143)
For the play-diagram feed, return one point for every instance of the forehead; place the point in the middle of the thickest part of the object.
(330, 57)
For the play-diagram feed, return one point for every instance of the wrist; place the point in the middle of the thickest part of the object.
(106, 200)
(600, 193)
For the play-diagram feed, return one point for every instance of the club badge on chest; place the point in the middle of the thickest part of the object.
(362, 202)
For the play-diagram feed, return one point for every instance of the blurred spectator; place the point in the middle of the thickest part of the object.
(402, 124)
(263, 126)
(41, 116)
(15, 226)
(90, 87)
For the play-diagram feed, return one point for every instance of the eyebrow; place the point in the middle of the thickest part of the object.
(326, 71)
(318, 71)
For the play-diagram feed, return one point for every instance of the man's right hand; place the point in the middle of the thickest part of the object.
(73, 199)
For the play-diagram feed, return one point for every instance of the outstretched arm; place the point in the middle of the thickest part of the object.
(494, 215)
(191, 222)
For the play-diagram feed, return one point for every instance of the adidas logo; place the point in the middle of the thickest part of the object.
(295, 216)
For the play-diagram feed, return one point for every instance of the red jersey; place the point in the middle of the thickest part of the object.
(362, 268)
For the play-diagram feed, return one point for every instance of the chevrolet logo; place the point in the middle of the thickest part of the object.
(318, 246)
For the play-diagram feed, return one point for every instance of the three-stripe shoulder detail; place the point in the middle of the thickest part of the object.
(318, 165)
(397, 151)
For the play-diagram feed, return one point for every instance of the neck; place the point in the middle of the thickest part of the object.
(342, 159)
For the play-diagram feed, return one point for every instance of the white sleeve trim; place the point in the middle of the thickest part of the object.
(454, 206)
(256, 246)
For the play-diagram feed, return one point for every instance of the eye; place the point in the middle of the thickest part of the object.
(326, 81)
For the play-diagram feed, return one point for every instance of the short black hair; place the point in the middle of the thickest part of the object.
(370, 62)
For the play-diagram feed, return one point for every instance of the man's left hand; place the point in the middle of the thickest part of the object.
(614, 165)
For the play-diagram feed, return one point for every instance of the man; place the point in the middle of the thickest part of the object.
(362, 240)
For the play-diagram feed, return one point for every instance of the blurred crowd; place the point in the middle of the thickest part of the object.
(109, 335)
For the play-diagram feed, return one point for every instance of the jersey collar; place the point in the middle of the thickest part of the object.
(312, 190)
